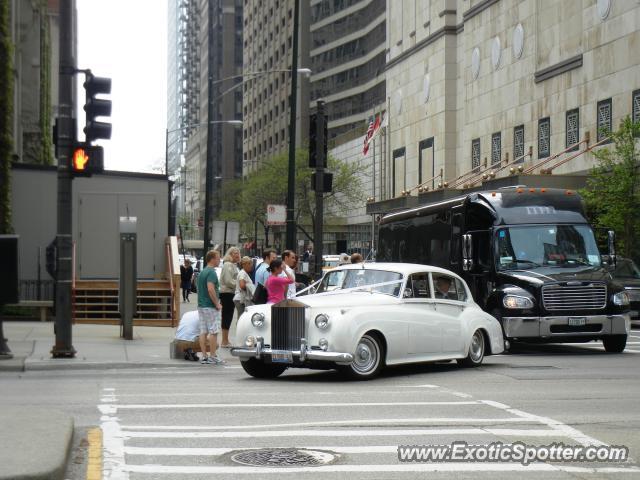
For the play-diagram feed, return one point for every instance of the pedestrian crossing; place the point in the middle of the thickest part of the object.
(358, 429)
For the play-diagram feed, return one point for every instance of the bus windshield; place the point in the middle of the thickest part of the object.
(546, 245)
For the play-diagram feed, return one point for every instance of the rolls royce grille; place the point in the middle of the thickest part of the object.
(575, 297)
(287, 325)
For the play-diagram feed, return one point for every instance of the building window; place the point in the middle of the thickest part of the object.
(544, 137)
(426, 162)
(635, 108)
(604, 119)
(518, 144)
(573, 129)
(475, 154)
(399, 176)
(496, 148)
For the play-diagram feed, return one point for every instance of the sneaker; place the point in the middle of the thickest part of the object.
(206, 360)
(218, 361)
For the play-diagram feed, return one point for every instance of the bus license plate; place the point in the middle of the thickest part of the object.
(577, 321)
(281, 356)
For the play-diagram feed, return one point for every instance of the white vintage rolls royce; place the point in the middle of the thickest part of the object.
(362, 317)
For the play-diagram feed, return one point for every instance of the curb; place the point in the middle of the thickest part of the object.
(41, 434)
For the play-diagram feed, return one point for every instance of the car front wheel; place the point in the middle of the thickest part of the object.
(258, 369)
(476, 351)
(368, 359)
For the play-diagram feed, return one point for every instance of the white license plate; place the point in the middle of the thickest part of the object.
(281, 356)
(577, 321)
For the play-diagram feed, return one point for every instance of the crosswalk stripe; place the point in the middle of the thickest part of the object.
(374, 421)
(418, 467)
(348, 433)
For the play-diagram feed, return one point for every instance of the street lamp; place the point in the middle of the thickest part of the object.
(171, 223)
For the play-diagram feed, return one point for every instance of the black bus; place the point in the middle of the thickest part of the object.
(529, 256)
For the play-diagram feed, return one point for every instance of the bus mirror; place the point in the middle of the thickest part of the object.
(467, 252)
(612, 248)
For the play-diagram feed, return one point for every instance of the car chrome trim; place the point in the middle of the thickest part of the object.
(320, 355)
(515, 327)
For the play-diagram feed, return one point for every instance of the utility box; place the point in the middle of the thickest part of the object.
(127, 297)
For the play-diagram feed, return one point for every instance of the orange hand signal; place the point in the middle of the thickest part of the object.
(80, 159)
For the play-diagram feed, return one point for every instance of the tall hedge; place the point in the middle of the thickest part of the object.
(6, 116)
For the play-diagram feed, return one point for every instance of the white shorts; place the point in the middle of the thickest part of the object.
(210, 320)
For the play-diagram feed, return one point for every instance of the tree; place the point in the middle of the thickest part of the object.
(246, 201)
(613, 189)
(6, 115)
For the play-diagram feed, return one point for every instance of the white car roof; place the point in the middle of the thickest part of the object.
(403, 268)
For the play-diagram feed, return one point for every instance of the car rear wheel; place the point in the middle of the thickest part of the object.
(368, 359)
(476, 351)
(258, 369)
(614, 343)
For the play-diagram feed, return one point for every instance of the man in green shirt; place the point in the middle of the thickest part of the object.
(209, 307)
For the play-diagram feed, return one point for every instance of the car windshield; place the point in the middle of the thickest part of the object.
(342, 279)
(546, 245)
(625, 268)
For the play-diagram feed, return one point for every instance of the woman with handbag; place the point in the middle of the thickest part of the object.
(228, 278)
(244, 286)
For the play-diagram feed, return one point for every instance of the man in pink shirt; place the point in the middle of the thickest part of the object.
(276, 285)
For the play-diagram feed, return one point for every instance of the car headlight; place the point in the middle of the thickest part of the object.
(634, 294)
(257, 319)
(250, 341)
(621, 299)
(322, 321)
(515, 301)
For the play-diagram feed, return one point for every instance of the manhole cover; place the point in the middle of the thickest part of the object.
(283, 457)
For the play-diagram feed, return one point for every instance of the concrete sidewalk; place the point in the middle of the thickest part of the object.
(49, 437)
(97, 347)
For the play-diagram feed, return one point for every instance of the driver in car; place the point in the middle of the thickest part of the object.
(443, 284)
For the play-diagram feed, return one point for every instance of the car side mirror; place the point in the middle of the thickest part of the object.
(467, 252)
(408, 293)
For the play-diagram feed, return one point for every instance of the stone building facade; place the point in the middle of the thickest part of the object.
(475, 81)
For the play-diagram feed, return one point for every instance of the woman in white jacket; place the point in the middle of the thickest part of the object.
(245, 287)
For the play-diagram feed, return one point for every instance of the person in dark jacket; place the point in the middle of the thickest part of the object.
(186, 275)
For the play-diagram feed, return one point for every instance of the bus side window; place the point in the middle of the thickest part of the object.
(482, 250)
(456, 239)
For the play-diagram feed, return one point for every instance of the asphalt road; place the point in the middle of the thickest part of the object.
(192, 422)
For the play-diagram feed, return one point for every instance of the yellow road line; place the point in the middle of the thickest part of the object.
(94, 454)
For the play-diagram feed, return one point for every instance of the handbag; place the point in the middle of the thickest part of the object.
(260, 295)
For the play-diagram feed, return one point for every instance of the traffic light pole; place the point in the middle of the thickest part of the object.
(291, 178)
(63, 347)
(318, 233)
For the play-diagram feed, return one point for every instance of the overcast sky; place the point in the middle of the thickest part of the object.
(127, 41)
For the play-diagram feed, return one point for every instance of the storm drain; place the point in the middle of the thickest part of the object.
(283, 457)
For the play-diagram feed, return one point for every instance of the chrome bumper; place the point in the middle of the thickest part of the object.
(520, 327)
(304, 354)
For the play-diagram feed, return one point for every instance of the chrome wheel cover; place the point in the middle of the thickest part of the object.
(367, 356)
(476, 349)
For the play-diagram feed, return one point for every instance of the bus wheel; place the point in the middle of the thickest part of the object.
(614, 343)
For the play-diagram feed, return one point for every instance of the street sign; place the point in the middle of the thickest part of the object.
(276, 214)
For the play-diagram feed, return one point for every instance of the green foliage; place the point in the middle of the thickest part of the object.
(46, 137)
(6, 115)
(246, 201)
(613, 189)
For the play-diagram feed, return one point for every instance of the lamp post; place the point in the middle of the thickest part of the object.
(207, 173)
(291, 179)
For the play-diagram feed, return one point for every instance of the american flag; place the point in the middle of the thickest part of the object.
(374, 127)
(367, 137)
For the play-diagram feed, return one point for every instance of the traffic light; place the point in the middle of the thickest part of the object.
(96, 107)
(87, 160)
(317, 141)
